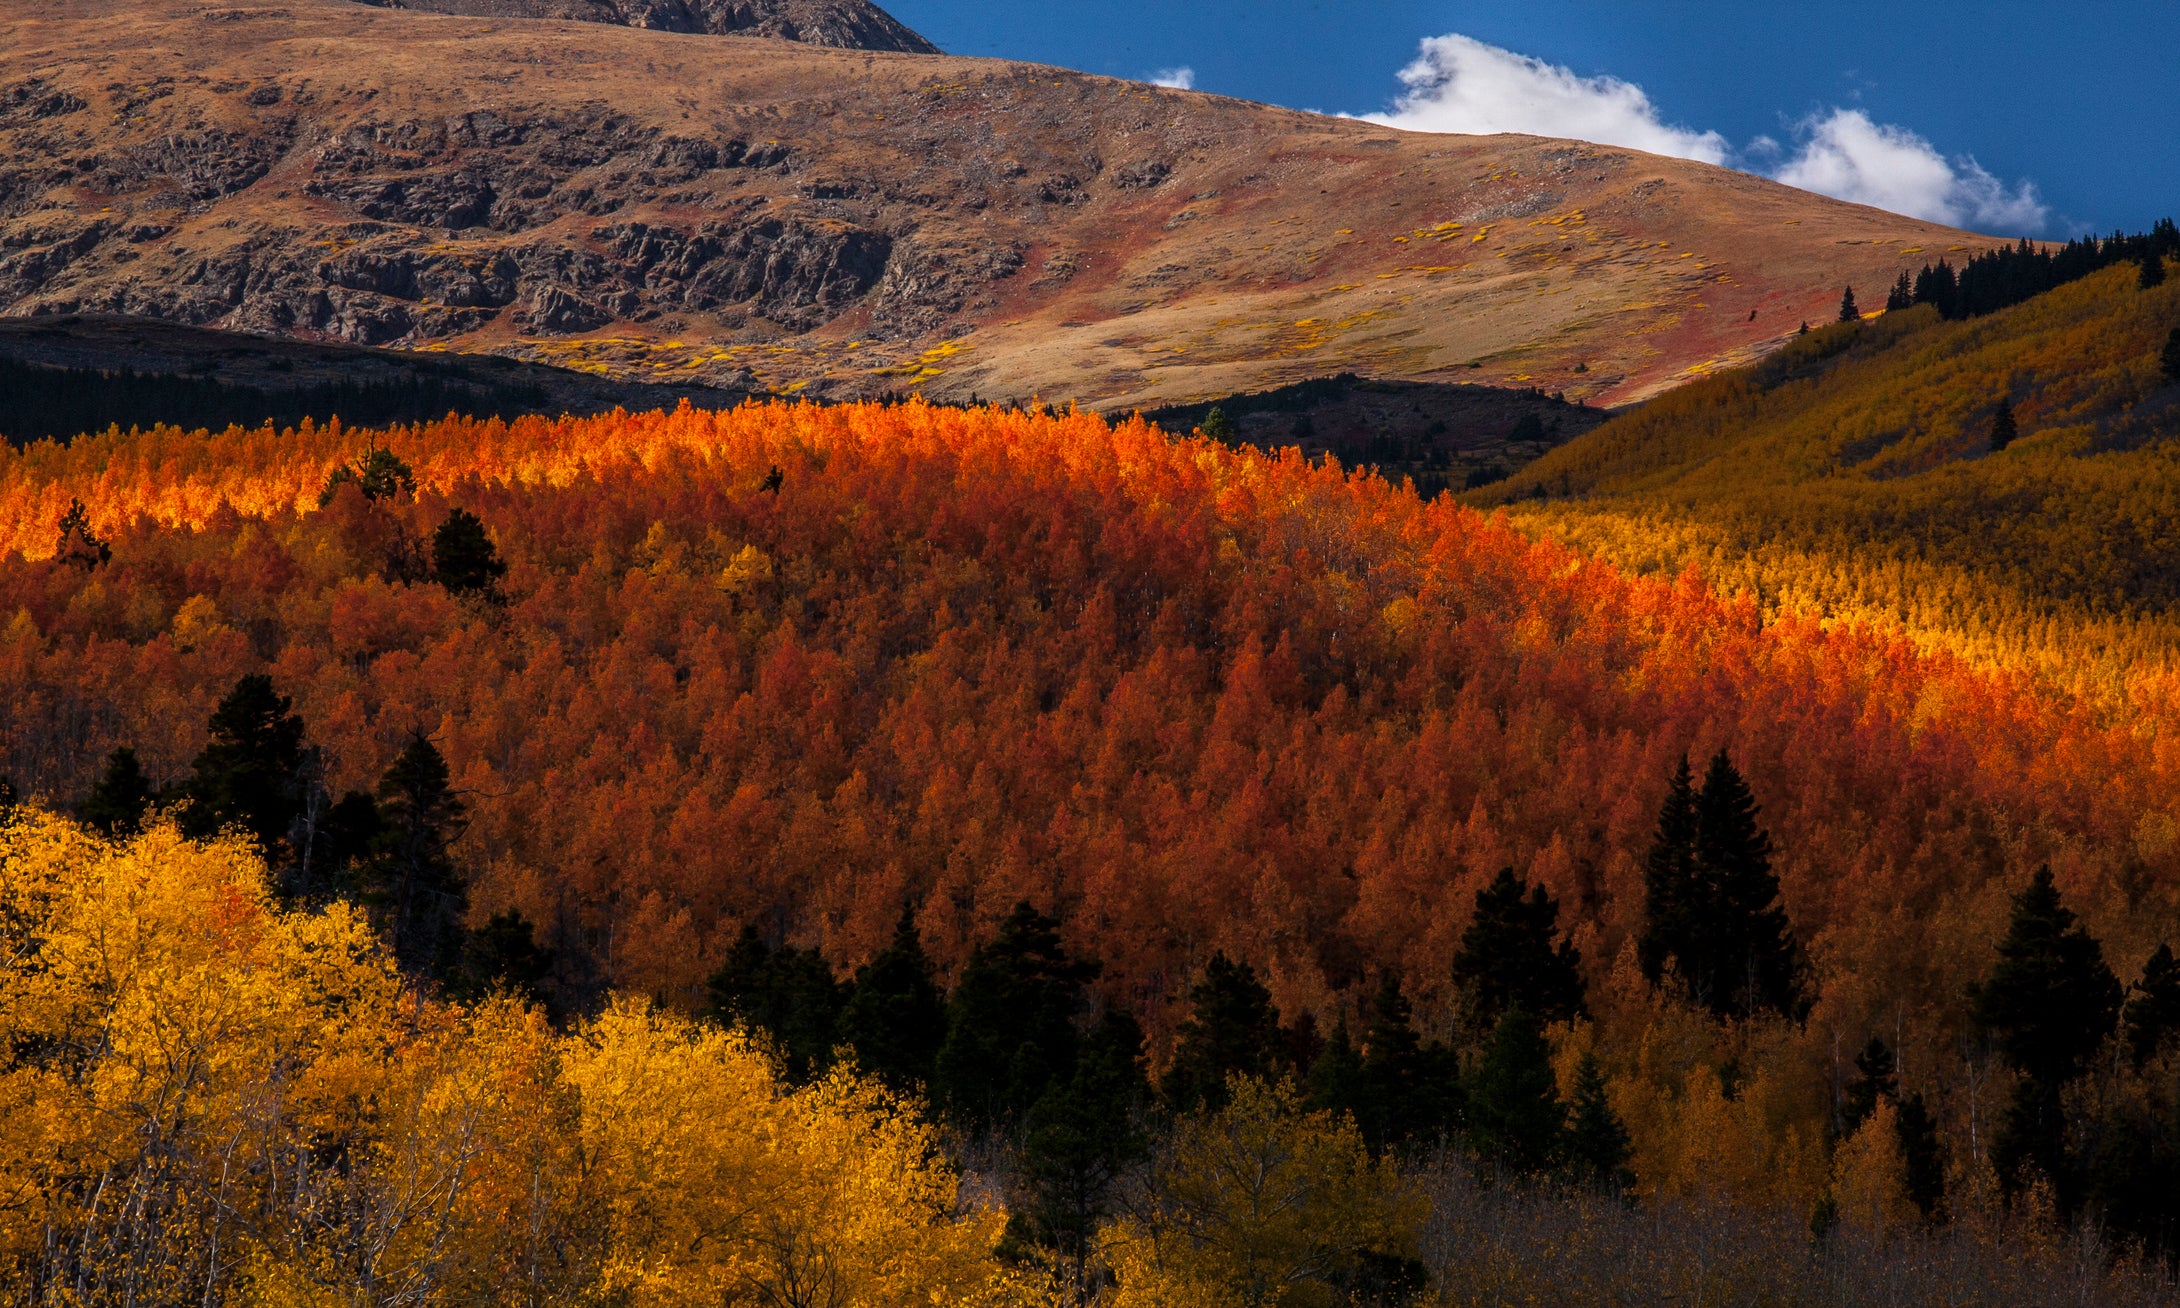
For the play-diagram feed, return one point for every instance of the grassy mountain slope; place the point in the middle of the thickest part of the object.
(1851, 474)
(839, 222)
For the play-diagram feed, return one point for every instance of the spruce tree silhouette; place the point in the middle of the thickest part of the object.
(1078, 1141)
(895, 1017)
(463, 558)
(2153, 1009)
(1711, 906)
(1671, 934)
(2168, 362)
(1010, 1026)
(785, 996)
(2047, 1007)
(1877, 1083)
(1903, 294)
(1847, 310)
(1334, 1083)
(1597, 1143)
(1921, 1154)
(2151, 272)
(503, 955)
(120, 797)
(410, 883)
(1510, 955)
(1232, 1030)
(2003, 427)
(250, 773)
(1516, 1121)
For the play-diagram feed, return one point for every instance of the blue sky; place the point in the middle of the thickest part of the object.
(2080, 102)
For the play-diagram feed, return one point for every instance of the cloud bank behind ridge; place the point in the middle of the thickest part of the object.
(1459, 84)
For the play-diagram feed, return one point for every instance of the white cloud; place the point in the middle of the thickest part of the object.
(1846, 155)
(1179, 79)
(1460, 84)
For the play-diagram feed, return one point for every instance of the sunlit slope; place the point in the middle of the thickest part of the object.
(1852, 474)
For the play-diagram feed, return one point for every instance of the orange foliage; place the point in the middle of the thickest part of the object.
(1189, 697)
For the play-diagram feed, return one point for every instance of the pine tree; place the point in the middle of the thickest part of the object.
(2168, 362)
(1597, 1145)
(1670, 899)
(1509, 957)
(79, 547)
(1921, 1154)
(1757, 965)
(1217, 426)
(120, 797)
(2152, 270)
(463, 558)
(1335, 1084)
(895, 1017)
(1515, 1118)
(786, 996)
(2153, 1011)
(2003, 428)
(1233, 1030)
(410, 882)
(2048, 1006)
(1847, 310)
(1010, 1026)
(1406, 1092)
(250, 773)
(1879, 1081)
(503, 955)
(1078, 1141)
(1902, 296)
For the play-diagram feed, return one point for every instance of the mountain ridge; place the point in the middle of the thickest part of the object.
(647, 204)
(845, 24)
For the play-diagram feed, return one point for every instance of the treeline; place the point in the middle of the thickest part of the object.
(38, 402)
(2004, 277)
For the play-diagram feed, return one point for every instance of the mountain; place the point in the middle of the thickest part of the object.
(831, 222)
(848, 24)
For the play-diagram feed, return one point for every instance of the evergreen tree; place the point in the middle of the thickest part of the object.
(1879, 1081)
(1597, 1145)
(1847, 310)
(2047, 1007)
(463, 558)
(2153, 1012)
(79, 547)
(120, 797)
(380, 475)
(1010, 1026)
(1902, 296)
(2003, 428)
(1921, 1155)
(1509, 956)
(410, 883)
(1217, 426)
(2152, 271)
(2168, 362)
(1670, 901)
(1233, 1030)
(250, 773)
(895, 1017)
(1335, 1080)
(785, 996)
(1757, 964)
(1515, 1118)
(1078, 1141)
(342, 839)
(503, 954)
(1405, 1092)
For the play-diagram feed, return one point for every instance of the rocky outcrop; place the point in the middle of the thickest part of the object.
(846, 24)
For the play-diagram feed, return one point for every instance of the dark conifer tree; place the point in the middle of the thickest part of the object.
(1902, 296)
(343, 837)
(1010, 1026)
(786, 997)
(895, 1017)
(1510, 955)
(2152, 272)
(1078, 1141)
(1671, 899)
(2153, 1010)
(79, 547)
(1878, 1082)
(250, 773)
(120, 797)
(1232, 1030)
(463, 558)
(1847, 310)
(2047, 1007)
(1406, 1092)
(1922, 1156)
(1217, 426)
(1757, 966)
(1597, 1144)
(503, 955)
(2168, 362)
(2003, 427)
(410, 883)
(1516, 1121)
(1335, 1082)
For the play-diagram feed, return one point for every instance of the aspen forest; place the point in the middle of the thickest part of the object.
(895, 854)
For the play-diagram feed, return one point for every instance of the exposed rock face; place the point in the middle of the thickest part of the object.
(661, 206)
(847, 24)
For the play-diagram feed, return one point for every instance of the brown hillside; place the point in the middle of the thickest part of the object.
(849, 24)
(651, 204)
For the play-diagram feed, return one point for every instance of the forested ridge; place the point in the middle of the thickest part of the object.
(1070, 775)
